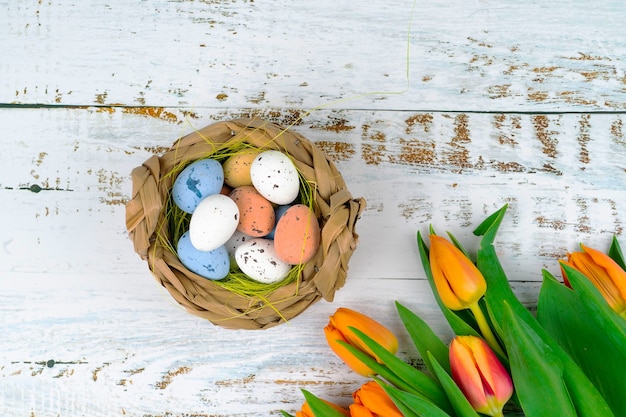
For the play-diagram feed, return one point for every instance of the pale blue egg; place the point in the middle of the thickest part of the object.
(202, 178)
(278, 213)
(213, 264)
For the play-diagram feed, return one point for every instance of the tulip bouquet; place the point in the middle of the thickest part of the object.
(567, 360)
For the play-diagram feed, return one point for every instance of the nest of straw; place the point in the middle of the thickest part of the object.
(236, 302)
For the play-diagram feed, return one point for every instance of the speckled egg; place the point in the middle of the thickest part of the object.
(275, 177)
(278, 213)
(213, 222)
(213, 264)
(258, 260)
(256, 214)
(297, 235)
(237, 239)
(198, 180)
(237, 168)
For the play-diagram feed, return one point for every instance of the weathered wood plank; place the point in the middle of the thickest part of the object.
(478, 55)
(66, 181)
(115, 345)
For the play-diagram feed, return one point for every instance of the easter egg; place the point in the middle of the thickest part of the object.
(275, 177)
(198, 180)
(237, 168)
(278, 213)
(297, 235)
(236, 240)
(213, 222)
(256, 214)
(213, 264)
(258, 260)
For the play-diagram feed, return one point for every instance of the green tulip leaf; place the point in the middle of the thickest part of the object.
(461, 322)
(319, 407)
(424, 339)
(285, 414)
(411, 405)
(589, 330)
(535, 369)
(615, 253)
(404, 376)
(458, 400)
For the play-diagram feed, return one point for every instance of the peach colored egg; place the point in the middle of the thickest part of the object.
(256, 214)
(237, 168)
(297, 235)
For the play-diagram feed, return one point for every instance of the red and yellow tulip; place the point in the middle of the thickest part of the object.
(480, 375)
(338, 329)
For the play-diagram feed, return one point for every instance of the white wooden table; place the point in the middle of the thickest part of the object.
(493, 102)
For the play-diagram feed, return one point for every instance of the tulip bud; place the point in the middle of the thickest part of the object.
(338, 329)
(607, 276)
(478, 373)
(459, 283)
(372, 400)
(307, 412)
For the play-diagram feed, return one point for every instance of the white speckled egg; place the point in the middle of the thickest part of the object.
(213, 264)
(275, 177)
(213, 222)
(257, 259)
(198, 180)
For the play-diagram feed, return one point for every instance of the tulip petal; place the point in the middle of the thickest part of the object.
(334, 337)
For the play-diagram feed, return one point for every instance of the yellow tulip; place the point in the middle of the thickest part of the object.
(338, 329)
(459, 283)
(372, 401)
(307, 412)
(607, 276)
(482, 378)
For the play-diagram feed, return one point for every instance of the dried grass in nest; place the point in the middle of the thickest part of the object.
(155, 223)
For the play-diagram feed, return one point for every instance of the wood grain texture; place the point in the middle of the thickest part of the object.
(503, 103)
(478, 55)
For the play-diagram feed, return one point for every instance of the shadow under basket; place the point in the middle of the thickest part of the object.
(337, 212)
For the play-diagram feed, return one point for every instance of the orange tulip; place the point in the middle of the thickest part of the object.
(307, 412)
(372, 401)
(459, 283)
(608, 277)
(479, 374)
(338, 329)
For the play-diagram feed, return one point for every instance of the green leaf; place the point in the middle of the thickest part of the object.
(536, 369)
(424, 339)
(615, 253)
(285, 414)
(458, 400)
(498, 287)
(319, 407)
(461, 322)
(411, 405)
(405, 376)
(499, 297)
(589, 330)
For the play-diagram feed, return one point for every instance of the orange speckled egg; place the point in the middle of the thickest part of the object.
(237, 168)
(297, 235)
(256, 214)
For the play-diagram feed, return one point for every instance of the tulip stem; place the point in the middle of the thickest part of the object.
(485, 329)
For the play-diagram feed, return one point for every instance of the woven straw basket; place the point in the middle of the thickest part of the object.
(334, 206)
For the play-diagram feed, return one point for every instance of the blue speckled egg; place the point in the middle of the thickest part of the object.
(202, 178)
(278, 213)
(213, 264)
